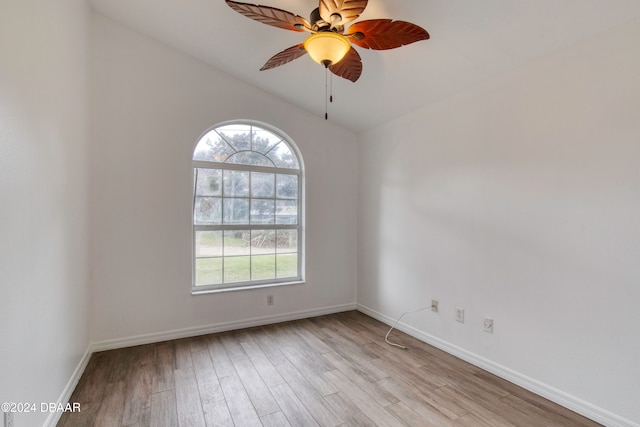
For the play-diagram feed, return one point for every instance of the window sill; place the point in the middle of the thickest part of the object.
(195, 291)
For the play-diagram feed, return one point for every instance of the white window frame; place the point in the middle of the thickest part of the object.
(200, 164)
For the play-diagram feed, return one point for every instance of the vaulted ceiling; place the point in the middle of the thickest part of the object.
(471, 40)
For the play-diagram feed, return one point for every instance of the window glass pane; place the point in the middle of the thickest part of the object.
(238, 136)
(263, 140)
(282, 156)
(286, 265)
(237, 242)
(212, 148)
(250, 158)
(262, 211)
(287, 241)
(207, 211)
(263, 242)
(237, 269)
(262, 185)
(236, 211)
(286, 212)
(208, 243)
(236, 183)
(208, 182)
(263, 267)
(208, 271)
(287, 186)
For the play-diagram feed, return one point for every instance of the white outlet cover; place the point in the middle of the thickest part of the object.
(460, 314)
(488, 325)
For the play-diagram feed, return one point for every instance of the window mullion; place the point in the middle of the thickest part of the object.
(249, 219)
(252, 168)
(222, 257)
(238, 227)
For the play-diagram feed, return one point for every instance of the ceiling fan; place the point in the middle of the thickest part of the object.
(328, 43)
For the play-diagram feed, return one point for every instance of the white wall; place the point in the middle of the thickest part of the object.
(43, 199)
(150, 106)
(519, 200)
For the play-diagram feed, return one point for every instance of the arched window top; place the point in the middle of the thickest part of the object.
(246, 144)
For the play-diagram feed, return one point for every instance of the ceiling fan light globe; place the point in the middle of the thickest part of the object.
(327, 47)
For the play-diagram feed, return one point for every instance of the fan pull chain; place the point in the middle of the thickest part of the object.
(326, 107)
(330, 87)
(328, 91)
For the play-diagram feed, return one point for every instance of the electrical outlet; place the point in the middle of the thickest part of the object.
(269, 299)
(8, 419)
(488, 325)
(460, 314)
(434, 305)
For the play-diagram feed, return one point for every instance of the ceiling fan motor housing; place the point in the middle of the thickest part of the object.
(315, 18)
(318, 24)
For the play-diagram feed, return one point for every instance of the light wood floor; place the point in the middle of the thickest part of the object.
(330, 371)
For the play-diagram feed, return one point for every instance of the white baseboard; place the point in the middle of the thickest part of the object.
(568, 401)
(54, 416)
(218, 327)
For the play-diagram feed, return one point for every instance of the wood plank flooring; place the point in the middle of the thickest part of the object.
(332, 370)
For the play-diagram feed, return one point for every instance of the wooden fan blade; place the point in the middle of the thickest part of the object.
(271, 16)
(284, 57)
(382, 34)
(350, 67)
(340, 12)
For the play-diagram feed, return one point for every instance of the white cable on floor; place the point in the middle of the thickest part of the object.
(386, 337)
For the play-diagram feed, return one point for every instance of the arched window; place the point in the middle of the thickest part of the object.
(247, 208)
